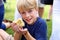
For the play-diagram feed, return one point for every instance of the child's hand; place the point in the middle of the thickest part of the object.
(15, 27)
(23, 31)
(17, 24)
(7, 24)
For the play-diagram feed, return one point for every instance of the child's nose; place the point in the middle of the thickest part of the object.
(27, 15)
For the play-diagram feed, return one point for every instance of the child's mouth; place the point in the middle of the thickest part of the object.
(28, 20)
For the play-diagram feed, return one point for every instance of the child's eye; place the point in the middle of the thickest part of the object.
(23, 12)
(30, 11)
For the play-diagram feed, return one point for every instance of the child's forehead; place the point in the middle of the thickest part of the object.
(23, 10)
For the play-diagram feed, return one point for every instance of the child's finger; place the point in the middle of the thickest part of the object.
(23, 31)
(15, 27)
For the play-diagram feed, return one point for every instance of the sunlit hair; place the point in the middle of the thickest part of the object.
(26, 4)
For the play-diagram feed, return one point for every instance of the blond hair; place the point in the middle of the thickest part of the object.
(26, 4)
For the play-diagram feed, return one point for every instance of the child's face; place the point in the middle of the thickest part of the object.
(29, 16)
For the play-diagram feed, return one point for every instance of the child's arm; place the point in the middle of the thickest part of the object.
(17, 36)
(26, 34)
(29, 37)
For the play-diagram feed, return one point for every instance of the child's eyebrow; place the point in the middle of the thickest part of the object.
(30, 8)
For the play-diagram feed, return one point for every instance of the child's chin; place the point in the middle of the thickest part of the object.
(29, 23)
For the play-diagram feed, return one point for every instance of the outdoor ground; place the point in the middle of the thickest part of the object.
(10, 6)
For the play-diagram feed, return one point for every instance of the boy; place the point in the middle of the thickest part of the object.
(35, 28)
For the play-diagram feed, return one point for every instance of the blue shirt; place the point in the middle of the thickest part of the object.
(38, 30)
(2, 26)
